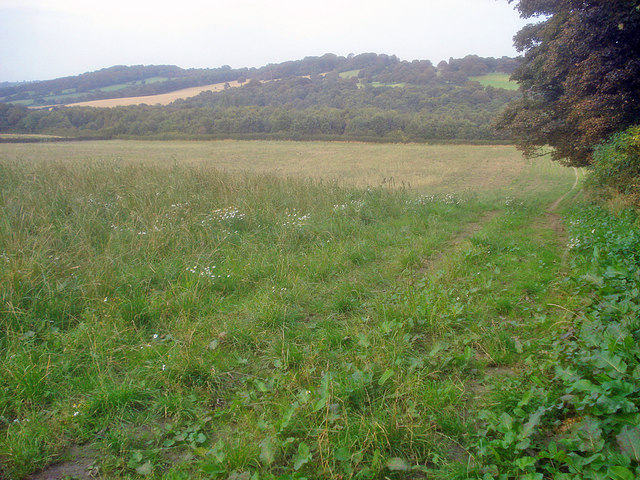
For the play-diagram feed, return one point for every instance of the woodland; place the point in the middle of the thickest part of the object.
(363, 97)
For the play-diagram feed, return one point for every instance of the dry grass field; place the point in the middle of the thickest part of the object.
(423, 168)
(161, 99)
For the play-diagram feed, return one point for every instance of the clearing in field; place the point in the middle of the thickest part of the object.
(272, 310)
(496, 80)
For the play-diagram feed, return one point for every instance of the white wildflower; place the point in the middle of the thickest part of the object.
(296, 220)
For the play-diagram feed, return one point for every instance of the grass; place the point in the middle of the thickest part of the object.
(235, 309)
(577, 416)
(120, 86)
(69, 94)
(380, 84)
(27, 136)
(422, 168)
(349, 74)
(496, 80)
(24, 103)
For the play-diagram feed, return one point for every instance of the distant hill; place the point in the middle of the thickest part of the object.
(359, 97)
(139, 80)
(114, 82)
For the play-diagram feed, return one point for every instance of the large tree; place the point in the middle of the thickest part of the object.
(580, 78)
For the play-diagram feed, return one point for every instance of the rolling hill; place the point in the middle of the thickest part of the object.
(361, 97)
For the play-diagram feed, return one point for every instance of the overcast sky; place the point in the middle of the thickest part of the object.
(43, 39)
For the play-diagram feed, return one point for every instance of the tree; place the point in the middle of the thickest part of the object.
(580, 77)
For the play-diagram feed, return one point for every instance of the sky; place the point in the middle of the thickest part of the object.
(44, 39)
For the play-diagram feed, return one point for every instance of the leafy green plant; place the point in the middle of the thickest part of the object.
(582, 422)
(616, 163)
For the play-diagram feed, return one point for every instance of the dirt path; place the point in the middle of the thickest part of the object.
(553, 219)
(431, 263)
(554, 206)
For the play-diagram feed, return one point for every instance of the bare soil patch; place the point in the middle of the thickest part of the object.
(79, 466)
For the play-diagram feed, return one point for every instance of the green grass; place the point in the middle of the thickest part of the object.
(380, 84)
(576, 414)
(120, 86)
(496, 80)
(190, 322)
(349, 74)
(24, 103)
(70, 94)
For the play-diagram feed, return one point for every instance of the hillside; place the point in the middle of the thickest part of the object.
(113, 82)
(139, 80)
(159, 99)
(360, 97)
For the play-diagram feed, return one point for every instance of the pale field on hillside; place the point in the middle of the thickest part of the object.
(437, 169)
(161, 99)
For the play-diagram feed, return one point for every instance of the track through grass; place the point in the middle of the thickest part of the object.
(173, 320)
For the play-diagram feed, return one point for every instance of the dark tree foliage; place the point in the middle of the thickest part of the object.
(580, 77)
(11, 117)
(295, 108)
(140, 80)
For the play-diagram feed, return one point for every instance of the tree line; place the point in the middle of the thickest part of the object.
(579, 78)
(139, 80)
(322, 106)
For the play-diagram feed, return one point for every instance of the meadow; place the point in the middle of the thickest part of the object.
(496, 80)
(274, 310)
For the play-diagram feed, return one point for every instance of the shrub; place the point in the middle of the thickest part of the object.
(616, 164)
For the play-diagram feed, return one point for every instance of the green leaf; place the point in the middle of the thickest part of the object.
(523, 463)
(342, 454)
(320, 404)
(267, 451)
(398, 464)
(583, 385)
(629, 441)
(590, 435)
(607, 361)
(302, 457)
(217, 452)
(235, 475)
(506, 422)
(620, 473)
(145, 469)
(386, 376)
(532, 476)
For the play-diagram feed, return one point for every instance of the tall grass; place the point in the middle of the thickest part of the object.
(191, 323)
